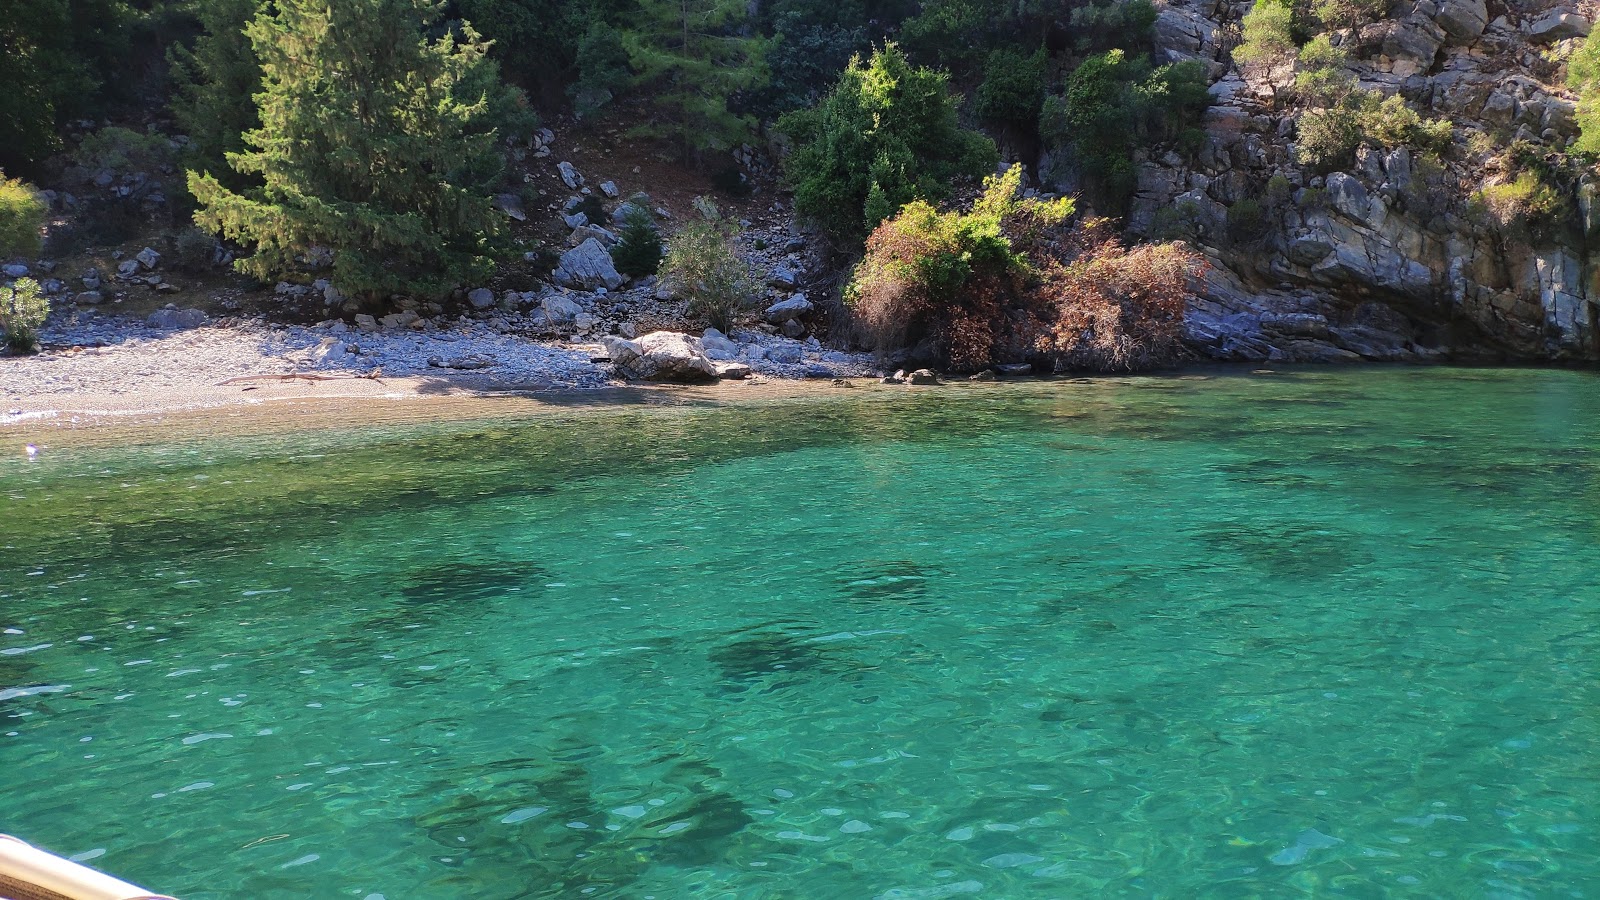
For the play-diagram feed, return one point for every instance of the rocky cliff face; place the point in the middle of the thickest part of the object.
(1385, 260)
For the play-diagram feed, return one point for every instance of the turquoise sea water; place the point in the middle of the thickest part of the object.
(1326, 633)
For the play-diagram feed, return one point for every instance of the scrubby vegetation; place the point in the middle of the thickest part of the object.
(23, 309)
(1011, 279)
(21, 218)
(702, 267)
(638, 251)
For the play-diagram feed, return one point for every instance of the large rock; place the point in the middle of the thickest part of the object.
(661, 356)
(1463, 21)
(481, 298)
(511, 205)
(148, 258)
(1557, 25)
(718, 346)
(588, 266)
(174, 318)
(561, 311)
(792, 308)
(569, 175)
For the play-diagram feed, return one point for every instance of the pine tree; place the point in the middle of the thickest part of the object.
(215, 85)
(690, 53)
(375, 143)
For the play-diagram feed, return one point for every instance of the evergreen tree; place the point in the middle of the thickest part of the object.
(886, 135)
(55, 57)
(215, 84)
(692, 56)
(375, 143)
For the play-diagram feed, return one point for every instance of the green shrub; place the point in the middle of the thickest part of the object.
(1112, 25)
(638, 250)
(1012, 88)
(123, 148)
(1113, 103)
(702, 267)
(193, 250)
(1268, 38)
(1525, 201)
(886, 135)
(1348, 13)
(1329, 137)
(22, 213)
(602, 69)
(1323, 80)
(1278, 191)
(948, 280)
(1247, 220)
(1179, 222)
(23, 309)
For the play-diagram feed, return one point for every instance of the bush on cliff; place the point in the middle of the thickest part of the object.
(23, 309)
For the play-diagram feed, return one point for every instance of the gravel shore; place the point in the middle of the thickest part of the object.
(100, 362)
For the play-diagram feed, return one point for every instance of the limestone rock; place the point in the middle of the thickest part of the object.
(1463, 21)
(923, 376)
(173, 318)
(1557, 25)
(661, 356)
(569, 175)
(785, 310)
(560, 311)
(481, 298)
(718, 346)
(511, 205)
(588, 266)
(148, 258)
(732, 371)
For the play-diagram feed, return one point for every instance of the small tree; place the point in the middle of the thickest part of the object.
(638, 250)
(375, 142)
(23, 309)
(1583, 76)
(702, 266)
(693, 56)
(1268, 37)
(21, 218)
(886, 135)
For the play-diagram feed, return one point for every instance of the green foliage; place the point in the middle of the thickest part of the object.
(22, 213)
(1526, 200)
(1111, 105)
(1348, 13)
(122, 148)
(694, 60)
(58, 60)
(702, 267)
(1268, 38)
(1329, 137)
(803, 59)
(23, 309)
(214, 85)
(192, 250)
(638, 250)
(886, 135)
(602, 69)
(1013, 87)
(1112, 25)
(1247, 220)
(1583, 76)
(593, 208)
(932, 276)
(375, 143)
(1322, 79)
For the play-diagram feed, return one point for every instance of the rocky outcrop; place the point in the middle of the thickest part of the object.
(661, 356)
(1387, 259)
(586, 267)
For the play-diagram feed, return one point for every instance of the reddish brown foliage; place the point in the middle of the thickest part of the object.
(1121, 309)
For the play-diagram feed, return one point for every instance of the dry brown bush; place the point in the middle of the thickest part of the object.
(1121, 309)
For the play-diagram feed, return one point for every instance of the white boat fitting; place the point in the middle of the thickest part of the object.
(28, 873)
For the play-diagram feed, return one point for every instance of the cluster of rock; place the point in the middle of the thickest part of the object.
(1385, 260)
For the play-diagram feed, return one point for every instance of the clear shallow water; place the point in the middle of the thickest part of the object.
(1327, 633)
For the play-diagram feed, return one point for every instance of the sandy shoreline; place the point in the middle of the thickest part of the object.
(106, 420)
